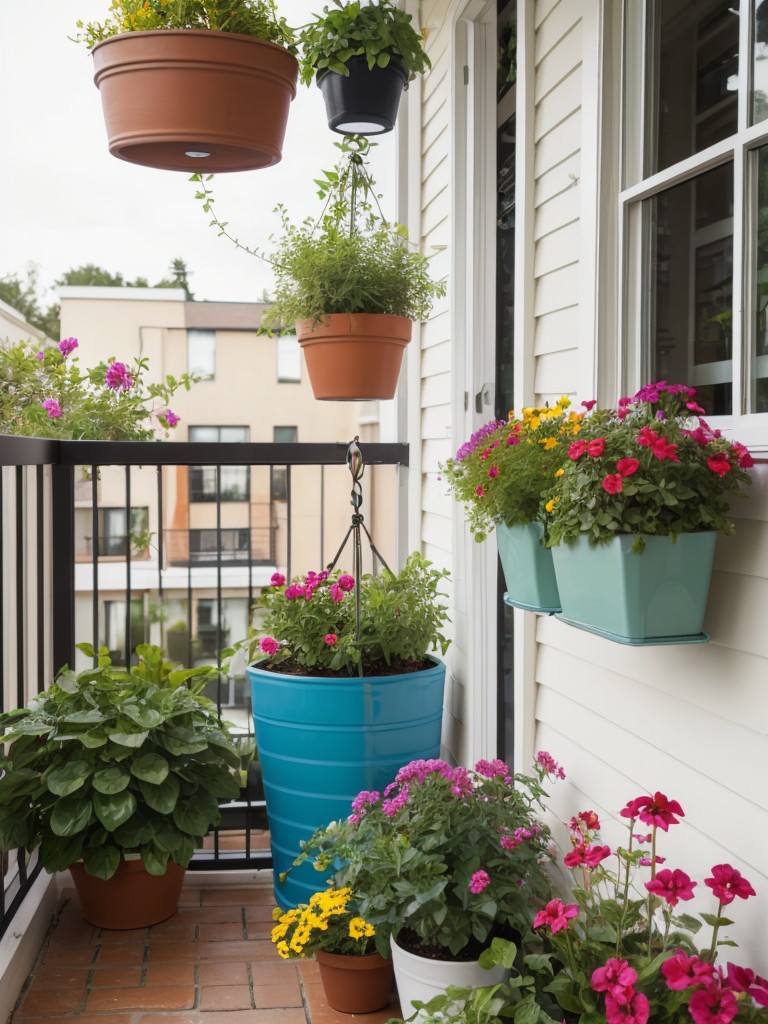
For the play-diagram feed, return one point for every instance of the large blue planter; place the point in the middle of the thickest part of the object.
(529, 572)
(655, 596)
(322, 740)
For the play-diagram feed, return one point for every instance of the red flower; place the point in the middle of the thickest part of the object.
(584, 820)
(613, 484)
(671, 886)
(555, 915)
(743, 457)
(659, 446)
(596, 448)
(719, 464)
(576, 450)
(493, 471)
(590, 404)
(658, 810)
(626, 467)
(727, 883)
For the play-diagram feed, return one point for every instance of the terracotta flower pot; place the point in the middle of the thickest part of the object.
(195, 100)
(131, 898)
(355, 984)
(354, 356)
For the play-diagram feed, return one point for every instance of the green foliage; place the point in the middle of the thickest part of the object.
(311, 622)
(502, 471)
(413, 858)
(377, 31)
(652, 466)
(87, 405)
(113, 761)
(258, 18)
(23, 297)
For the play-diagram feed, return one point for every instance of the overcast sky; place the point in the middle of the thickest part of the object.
(64, 201)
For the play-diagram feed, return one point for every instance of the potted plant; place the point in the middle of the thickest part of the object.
(443, 860)
(341, 699)
(194, 84)
(355, 976)
(116, 774)
(363, 55)
(499, 475)
(644, 492)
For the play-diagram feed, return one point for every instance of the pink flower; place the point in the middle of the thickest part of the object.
(727, 883)
(494, 769)
(626, 467)
(68, 345)
(596, 448)
(658, 810)
(391, 807)
(171, 418)
(346, 582)
(555, 915)
(269, 645)
(52, 407)
(589, 404)
(330, 639)
(740, 978)
(292, 592)
(584, 820)
(119, 377)
(480, 491)
(277, 579)
(589, 855)
(671, 886)
(759, 991)
(479, 881)
(684, 971)
(549, 764)
(743, 457)
(637, 1010)
(719, 464)
(660, 448)
(694, 407)
(612, 484)
(713, 1005)
(493, 472)
(615, 977)
(40, 354)
(337, 593)
(576, 450)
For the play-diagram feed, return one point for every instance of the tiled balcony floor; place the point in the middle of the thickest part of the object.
(211, 963)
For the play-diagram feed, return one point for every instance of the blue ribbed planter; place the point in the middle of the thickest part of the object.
(322, 740)
(528, 569)
(655, 596)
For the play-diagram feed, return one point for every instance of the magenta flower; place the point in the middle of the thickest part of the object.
(118, 377)
(480, 491)
(591, 856)
(40, 354)
(494, 769)
(740, 978)
(549, 764)
(613, 483)
(743, 457)
(171, 418)
(330, 639)
(584, 820)
(292, 592)
(684, 971)
(615, 977)
(52, 407)
(727, 883)
(626, 467)
(637, 1010)
(589, 404)
(347, 582)
(493, 472)
(269, 645)
(596, 448)
(576, 449)
(391, 807)
(479, 881)
(337, 593)
(277, 579)
(68, 345)
(658, 810)
(659, 447)
(671, 886)
(719, 464)
(555, 915)
(713, 1005)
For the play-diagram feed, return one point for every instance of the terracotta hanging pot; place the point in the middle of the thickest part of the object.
(195, 100)
(131, 898)
(355, 984)
(364, 102)
(354, 356)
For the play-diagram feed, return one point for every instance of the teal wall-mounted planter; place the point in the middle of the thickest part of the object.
(655, 596)
(321, 740)
(529, 572)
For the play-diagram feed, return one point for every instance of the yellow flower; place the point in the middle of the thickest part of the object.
(551, 504)
(559, 472)
(549, 443)
(360, 929)
(282, 949)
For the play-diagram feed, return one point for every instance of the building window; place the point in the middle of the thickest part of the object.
(114, 627)
(201, 353)
(279, 486)
(227, 483)
(225, 545)
(288, 359)
(695, 198)
(113, 535)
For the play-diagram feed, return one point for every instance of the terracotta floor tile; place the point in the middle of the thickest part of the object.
(164, 1018)
(272, 971)
(285, 1016)
(53, 975)
(122, 936)
(85, 1018)
(128, 953)
(116, 977)
(206, 952)
(223, 974)
(78, 956)
(242, 897)
(190, 896)
(160, 997)
(226, 997)
(174, 930)
(170, 974)
(282, 993)
(218, 932)
(216, 914)
(51, 1002)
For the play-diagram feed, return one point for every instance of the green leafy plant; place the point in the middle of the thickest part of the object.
(446, 858)
(311, 624)
(502, 471)
(329, 922)
(44, 393)
(349, 260)
(651, 466)
(115, 761)
(378, 31)
(258, 18)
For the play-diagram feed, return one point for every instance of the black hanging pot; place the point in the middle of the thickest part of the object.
(364, 102)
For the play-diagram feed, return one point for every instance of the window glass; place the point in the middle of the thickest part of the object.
(234, 482)
(279, 480)
(201, 353)
(760, 63)
(760, 358)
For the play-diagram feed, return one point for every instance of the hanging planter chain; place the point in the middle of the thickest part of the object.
(356, 466)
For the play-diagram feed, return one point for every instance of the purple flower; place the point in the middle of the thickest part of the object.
(479, 881)
(347, 582)
(118, 377)
(292, 592)
(67, 345)
(391, 807)
(171, 418)
(40, 354)
(478, 438)
(52, 407)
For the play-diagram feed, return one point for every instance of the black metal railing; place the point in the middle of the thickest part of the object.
(62, 582)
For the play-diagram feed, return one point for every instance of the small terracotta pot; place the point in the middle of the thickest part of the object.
(354, 356)
(131, 898)
(195, 100)
(355, 984)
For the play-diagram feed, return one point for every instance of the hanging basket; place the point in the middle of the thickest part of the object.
(364, 102)
(194, 99)
(354, 356)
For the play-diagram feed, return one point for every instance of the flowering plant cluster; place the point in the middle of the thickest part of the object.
(310, 626)
(502, 471)
(624, 951)
(44, 393)
(329, 922)
(445, 858)
(651, 466)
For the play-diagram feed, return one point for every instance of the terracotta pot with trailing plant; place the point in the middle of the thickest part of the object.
(194, 84)
(362, 56)
(117, 775)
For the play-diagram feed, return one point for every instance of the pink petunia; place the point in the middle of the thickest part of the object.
(480, 491)
(269, 645)
(719, 464)
(743, 457)
(683, 971)
(330, 639)
(727, 883)
(615, 977)
(671, 886)
(576, 449)
(277, 579)
(556, 915)
(337, 593)
(613, 483)
(52, 407)
(713, 1005)
(171, 418)
(584, 820)
(68, 345)
(637, 1010)
(479, 881)
(493, 472)
(596, 448)
(118, 377)
(659, 447)
(626, 467)
(590, 404)
(658, 810)
(346, 582)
